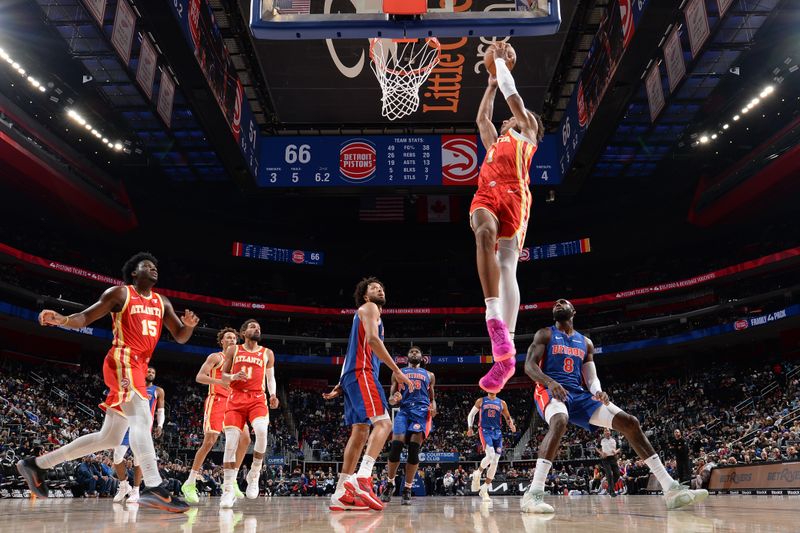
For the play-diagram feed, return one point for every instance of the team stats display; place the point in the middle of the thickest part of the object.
(386, 160)
(277, 255)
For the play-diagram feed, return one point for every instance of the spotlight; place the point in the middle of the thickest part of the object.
(105, 140)
(704, 139)
(745, 110)
(15, 65)
(754, 101)
(735, 117)
(725, 126)
(88, 126)
(714, 136)
(118, 147)
(42, 88)
(767, 90)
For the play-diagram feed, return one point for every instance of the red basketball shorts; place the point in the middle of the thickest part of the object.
(509, 205)
(123, 374)
(243, 407)
(214, 413)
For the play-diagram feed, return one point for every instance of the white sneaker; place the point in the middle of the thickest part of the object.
(533, 502)
(228, 499)
(484, 493)
(680, 496)
(476, 481)
(133, 496)
(123, 490)
(252, 487)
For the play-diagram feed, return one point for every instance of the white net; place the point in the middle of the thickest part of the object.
(401, 68)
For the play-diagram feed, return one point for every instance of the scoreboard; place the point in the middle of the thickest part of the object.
(386, 160)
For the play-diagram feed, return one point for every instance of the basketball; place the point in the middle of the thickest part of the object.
(488, 59)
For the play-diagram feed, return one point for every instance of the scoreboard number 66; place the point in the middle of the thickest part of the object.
(297, 154)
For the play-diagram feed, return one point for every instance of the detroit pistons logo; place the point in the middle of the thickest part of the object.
(626, 14)
(459, 159)
(358, 161)
(739, 325)
(298, 256)
(583, 116)
(194, 23)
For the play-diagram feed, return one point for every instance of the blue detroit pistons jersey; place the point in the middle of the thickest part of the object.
(359, 358)
(491, 411)
(151, 397)
(418, 395)
(564, 358)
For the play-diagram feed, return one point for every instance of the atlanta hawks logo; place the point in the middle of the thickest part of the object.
(459, 159)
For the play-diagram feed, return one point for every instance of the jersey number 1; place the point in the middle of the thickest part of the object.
(569, 365)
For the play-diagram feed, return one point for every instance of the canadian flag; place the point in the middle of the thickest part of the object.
(438, 208)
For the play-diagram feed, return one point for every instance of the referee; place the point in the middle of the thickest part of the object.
(608, 452)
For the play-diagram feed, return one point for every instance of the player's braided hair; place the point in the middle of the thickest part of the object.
(221, 333)
(361, 289)
(133, 263)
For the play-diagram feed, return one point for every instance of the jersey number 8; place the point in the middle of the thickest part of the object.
(569, 364)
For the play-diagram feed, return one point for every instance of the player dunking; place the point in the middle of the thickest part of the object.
(364, 401)
(218, 382)
(558, 360)
(247, 403)
(490, 408)
(155, 396)
(138, 314)
(412, 422)
(499, 214)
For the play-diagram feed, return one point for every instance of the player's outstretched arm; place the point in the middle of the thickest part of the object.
(507, 416)
(181, 328)
(526, 121)
(369, 315)
(535, 355)
(485, 113)
(112, 300)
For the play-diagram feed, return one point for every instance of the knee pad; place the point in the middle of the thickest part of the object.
(261, 429)
(396, 450)
(413, 453)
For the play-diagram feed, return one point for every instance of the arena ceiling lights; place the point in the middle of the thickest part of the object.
(21, 71)
(705, 138)
(76, 117)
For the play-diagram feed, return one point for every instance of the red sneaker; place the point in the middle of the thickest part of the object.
(347, 502)
(363, 489)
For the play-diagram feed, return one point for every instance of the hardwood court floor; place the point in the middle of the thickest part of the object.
(584, 514)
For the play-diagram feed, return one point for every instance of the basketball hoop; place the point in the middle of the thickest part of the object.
(402, 66)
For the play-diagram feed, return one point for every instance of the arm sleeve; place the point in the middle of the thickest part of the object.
(504, 79)
(471, 416)
(590, 377)
(271, 385)
(160, 417)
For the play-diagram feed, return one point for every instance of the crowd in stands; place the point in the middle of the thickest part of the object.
(729, 413)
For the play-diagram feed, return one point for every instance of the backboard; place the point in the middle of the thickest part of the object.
(355, 19)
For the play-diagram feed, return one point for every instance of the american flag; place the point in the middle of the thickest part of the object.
(293, 7)
(382, 209)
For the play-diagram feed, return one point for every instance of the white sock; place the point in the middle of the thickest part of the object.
(366, 467)
(409, 485)
(540, 474)
(255, 468)
(492, 307)
(657, 468)
(230, 478)
(340, 484)
(192, 477)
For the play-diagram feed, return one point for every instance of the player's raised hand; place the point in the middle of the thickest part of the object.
(557, 391)
(51, 318)
(337, 390)
(273, 402)
(403, 379)
(395, 399)
(601, 396)
(470, 432)
(190, 319)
